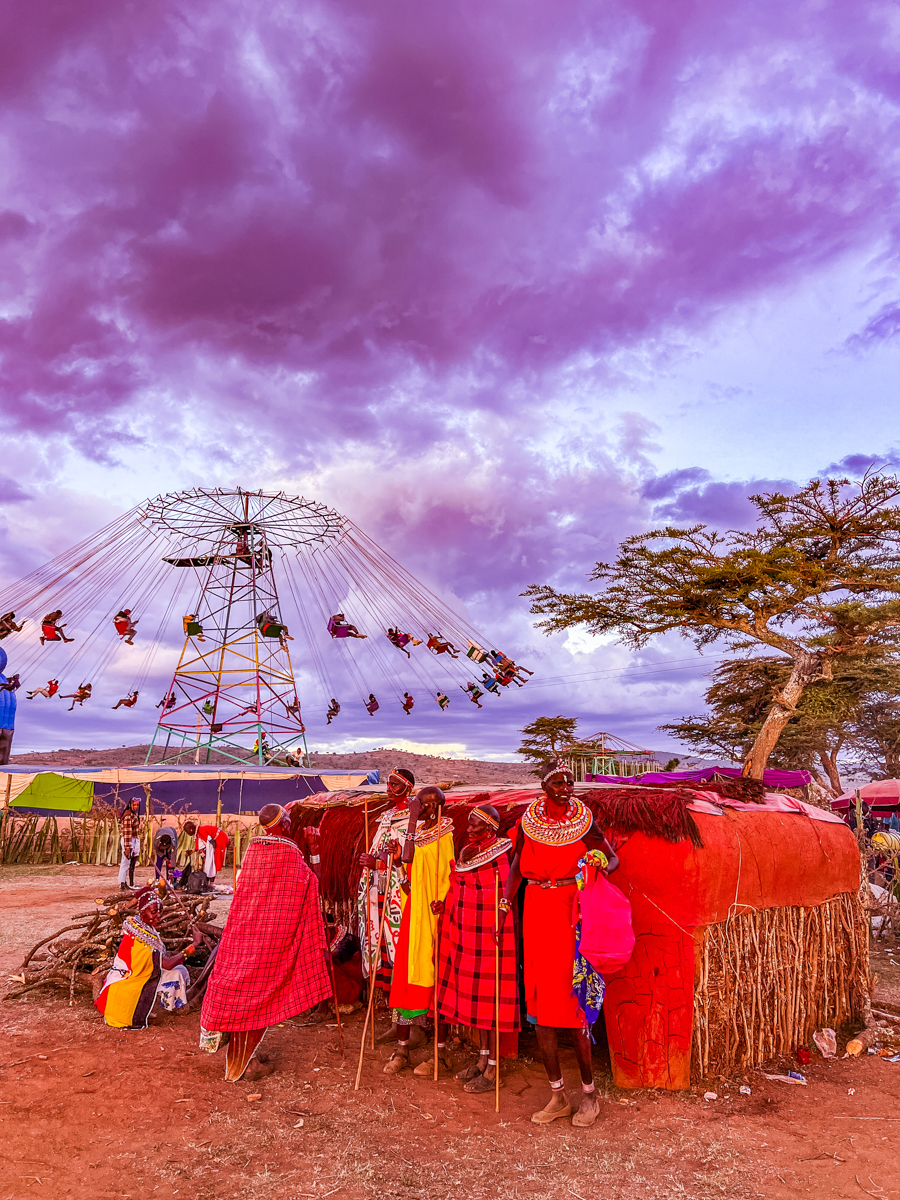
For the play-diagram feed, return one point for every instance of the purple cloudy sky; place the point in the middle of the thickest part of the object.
(504, 281)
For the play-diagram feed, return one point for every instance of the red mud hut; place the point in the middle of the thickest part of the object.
(749, 929)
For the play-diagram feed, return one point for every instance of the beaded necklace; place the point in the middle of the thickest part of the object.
(486, 856)
(426, 836)
(541, 828)
(144, 933)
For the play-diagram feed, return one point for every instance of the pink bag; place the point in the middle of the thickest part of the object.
(607, 934)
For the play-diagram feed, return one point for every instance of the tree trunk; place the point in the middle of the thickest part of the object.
(806, 670)
(828, 759)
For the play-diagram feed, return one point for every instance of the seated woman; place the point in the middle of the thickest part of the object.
(8, 625)
(51, 630)
(339, 627)
(142, 971)
(474, 693)
(271, 627)
(506, 666)
(49, 691)
(192, 626)
(402, 640)
(125, 627)
(333, 709)
(439, 645)
(81, 693)
(408, 703)
(372, 705)
(167, 702)
(128, 702)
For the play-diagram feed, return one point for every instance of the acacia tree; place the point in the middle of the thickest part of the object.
(817, 580)
(545, 736)
(831, 719)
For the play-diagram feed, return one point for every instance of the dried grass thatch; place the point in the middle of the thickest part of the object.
(766, 980)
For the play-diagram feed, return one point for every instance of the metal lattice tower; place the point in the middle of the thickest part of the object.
(234, 681)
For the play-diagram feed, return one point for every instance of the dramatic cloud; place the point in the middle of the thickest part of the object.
(419, 260)
(354, 210)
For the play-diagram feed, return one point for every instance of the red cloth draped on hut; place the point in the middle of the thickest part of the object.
(271, 961)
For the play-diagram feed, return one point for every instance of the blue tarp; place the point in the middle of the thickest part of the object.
(7, 699)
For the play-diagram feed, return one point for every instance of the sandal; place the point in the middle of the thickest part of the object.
(445, 1063)
(398, 1062)
(481, 1083)
(471, 1070)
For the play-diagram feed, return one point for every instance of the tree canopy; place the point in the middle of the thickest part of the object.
(545, 737)
(818, 580)
(833, 718)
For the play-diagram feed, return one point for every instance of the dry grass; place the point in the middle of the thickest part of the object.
(766, 980)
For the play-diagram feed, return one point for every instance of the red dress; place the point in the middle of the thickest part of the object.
(548, 924)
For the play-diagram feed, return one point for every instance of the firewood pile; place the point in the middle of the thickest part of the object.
(76, 958)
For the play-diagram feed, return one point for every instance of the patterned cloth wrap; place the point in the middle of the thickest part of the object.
(137, 979)
(588, 986)
(271, 961)
(391, 826)
(467, 987)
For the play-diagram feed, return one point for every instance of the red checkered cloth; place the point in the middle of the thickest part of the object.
(466, 987)
(271, 961)
(129, 825)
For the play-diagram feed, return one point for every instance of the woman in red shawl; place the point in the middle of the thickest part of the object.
(556, 830)
(270, 963)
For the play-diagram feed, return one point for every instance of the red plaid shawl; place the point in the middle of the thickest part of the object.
(271, 960)
(466, 987)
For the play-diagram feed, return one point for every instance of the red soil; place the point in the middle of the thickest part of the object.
(97, 1114)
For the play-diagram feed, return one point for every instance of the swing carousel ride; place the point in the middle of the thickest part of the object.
(245, 579)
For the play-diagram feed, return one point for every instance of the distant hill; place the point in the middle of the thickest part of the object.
(427, 768)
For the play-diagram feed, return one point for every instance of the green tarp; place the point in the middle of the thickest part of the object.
(48, 790)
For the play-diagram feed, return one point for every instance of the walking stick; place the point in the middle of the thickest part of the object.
(437, 936)
(362, 1044)
(496, 993)
(337, 1011)
(368, 909)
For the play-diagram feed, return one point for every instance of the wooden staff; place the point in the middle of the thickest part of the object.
(437, 936)
(497, 992)
(368, 917)
(362, 1044)
(337, 1011)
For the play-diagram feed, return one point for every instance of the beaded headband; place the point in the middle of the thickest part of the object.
(558, 768)
(486, 817)
(400, 779)
(148, 898)
(276, 820)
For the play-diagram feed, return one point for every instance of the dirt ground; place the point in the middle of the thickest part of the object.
(87, 1111)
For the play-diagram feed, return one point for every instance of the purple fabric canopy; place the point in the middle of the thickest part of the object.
(771, 778)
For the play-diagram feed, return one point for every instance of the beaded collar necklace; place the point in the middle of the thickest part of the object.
(426, 836)
(541, 828)
(144, 933)
(486, 856)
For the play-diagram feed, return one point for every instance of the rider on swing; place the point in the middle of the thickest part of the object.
(51, 630)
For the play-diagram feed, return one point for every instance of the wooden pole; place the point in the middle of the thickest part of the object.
(362, 1044)
(368, 902)
(437, 936)
(337, 1011)
(496, 992)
